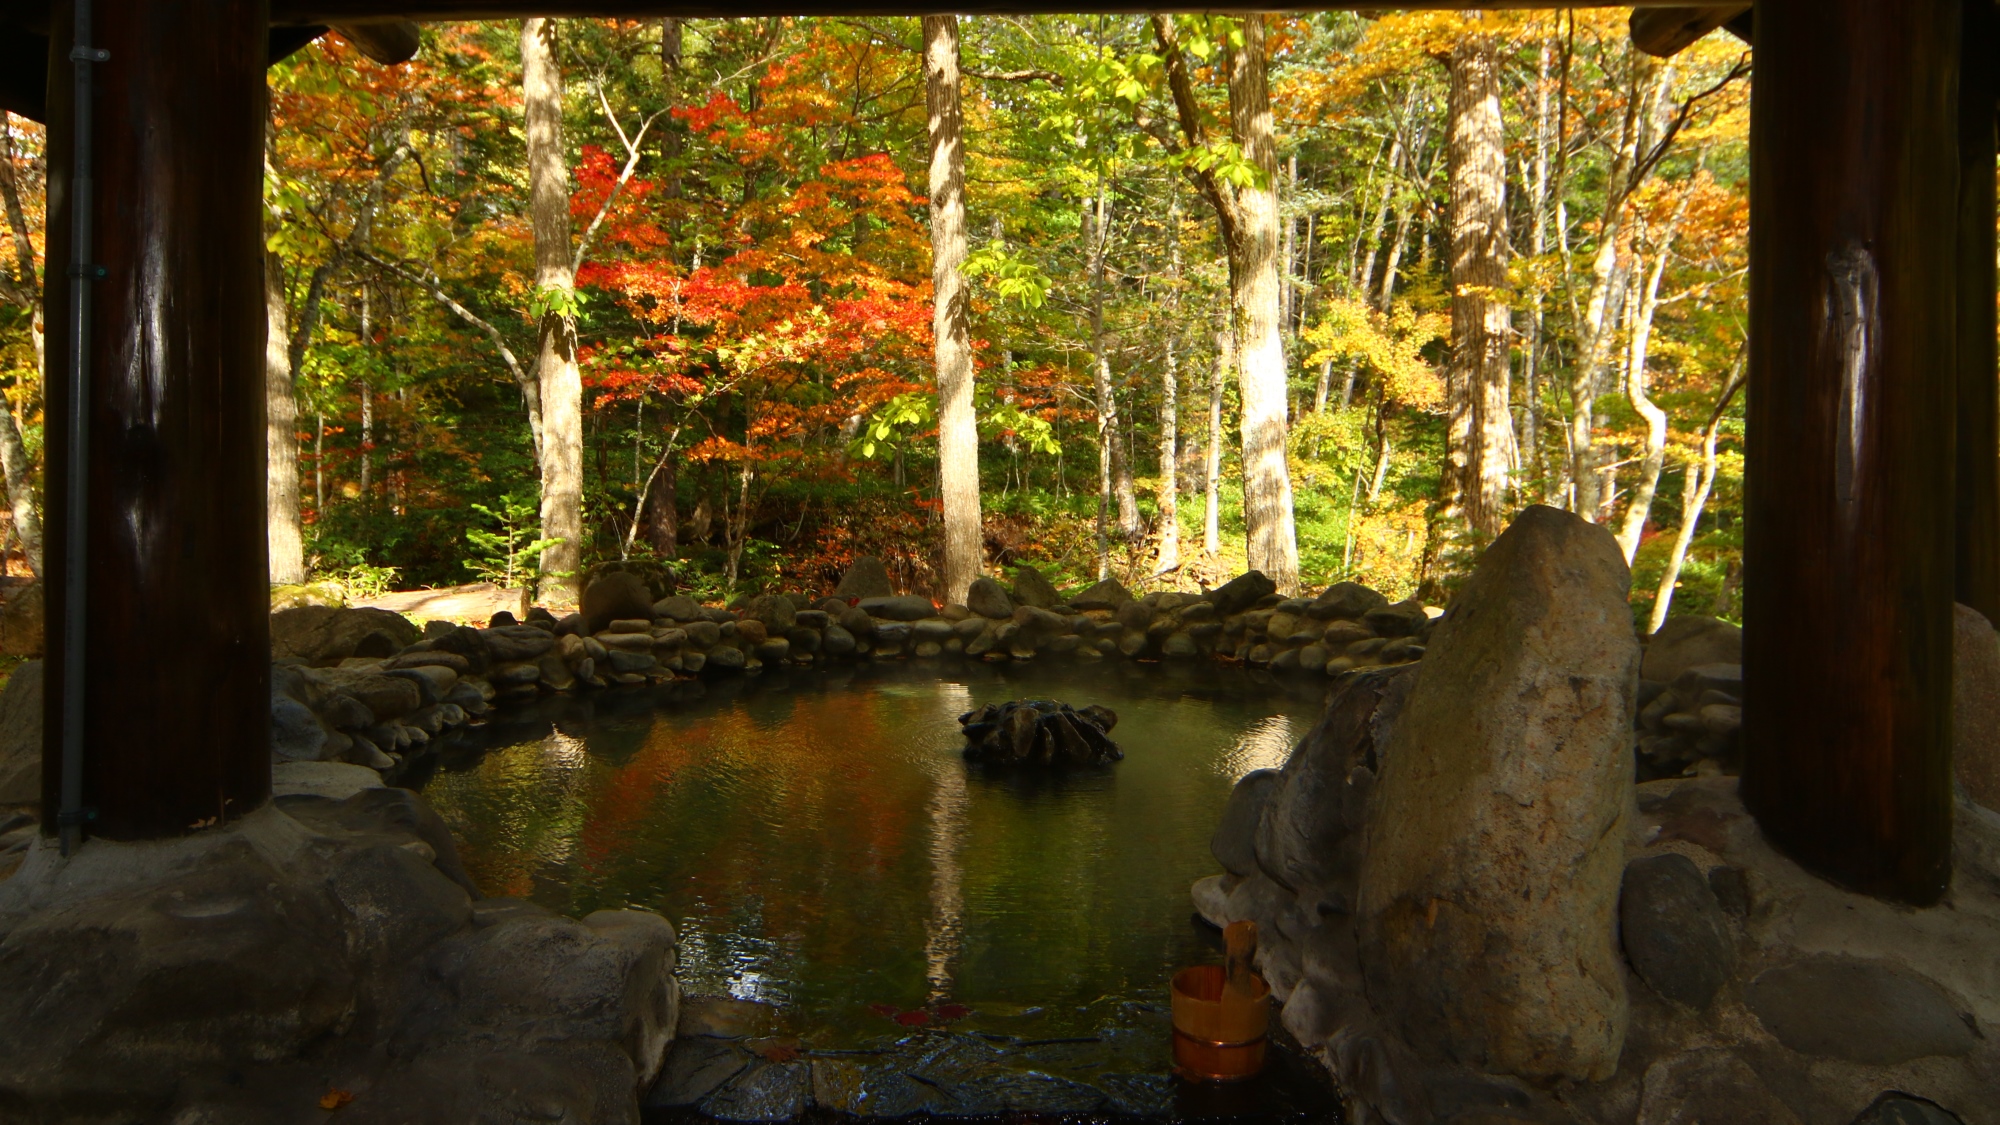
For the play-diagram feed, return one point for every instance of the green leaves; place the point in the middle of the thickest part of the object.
(510, 549)
(1013, 278)
(555, 300)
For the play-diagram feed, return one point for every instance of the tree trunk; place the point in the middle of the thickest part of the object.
(1170, 379)
(1481, 426)
(1110, 451)
(1694, 497)
(958, 428)
(1211, 519)
(281, 445)
(663, 511)
(19, 467)
(557, 377)
(1638, 392)
(1267, 488)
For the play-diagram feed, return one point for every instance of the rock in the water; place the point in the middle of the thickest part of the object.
(909, 607)
(696, 1067)
(325, 635)
(1499, 814)
(1107, 594)
(1684, 642)
(1040, 731)
(767, 1091)
(1975, 705)
(614, 595)
(866, 577)
(21, 736)
(1030, 588)
(988, 598)
(1345, 600)
(1675, 934)
(1242, 592)
(1862, 1010)
(1321, 797)
(1234, 844)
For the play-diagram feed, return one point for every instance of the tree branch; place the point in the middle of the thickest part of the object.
(1189, 111)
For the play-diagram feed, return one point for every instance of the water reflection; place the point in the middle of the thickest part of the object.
(821, 844)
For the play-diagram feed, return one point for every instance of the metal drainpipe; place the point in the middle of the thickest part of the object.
(71, 814)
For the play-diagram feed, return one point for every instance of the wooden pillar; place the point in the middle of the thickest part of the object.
(1848, 577)
(176, 645)
(1978, 499)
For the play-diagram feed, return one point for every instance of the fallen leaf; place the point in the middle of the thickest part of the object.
(335, 1098)
(953, 1011)
(914, 1019)
(775, 1050)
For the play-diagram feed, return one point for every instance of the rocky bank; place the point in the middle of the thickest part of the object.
(1473, 909)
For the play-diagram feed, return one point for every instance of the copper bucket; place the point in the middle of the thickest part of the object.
(1220, 1022)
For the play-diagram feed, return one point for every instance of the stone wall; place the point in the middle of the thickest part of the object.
(366, 686)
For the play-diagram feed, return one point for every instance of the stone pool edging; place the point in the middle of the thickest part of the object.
(366, 686)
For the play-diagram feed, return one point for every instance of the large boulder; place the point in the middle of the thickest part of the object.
(908, 607)
(1975, 695)
(1347, 600)
(1106, 594)
(988, 598)
(615, 596)
(327, 635)
(1490, 876)
(1686, 642)
(866, 577)
(21, 736)
(321, 942)
(1030, 588)
(1242, 592)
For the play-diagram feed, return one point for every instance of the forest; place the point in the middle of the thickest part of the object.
(735, 301)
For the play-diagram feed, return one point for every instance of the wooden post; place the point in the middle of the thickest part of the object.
(1849, 521)
(177, 645)
(1978, 499)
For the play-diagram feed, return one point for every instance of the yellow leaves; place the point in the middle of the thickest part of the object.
(1390, 347)
(335, 1099)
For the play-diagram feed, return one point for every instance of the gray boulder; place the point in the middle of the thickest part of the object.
(614, 595)
(1345, 600)
(326, 635)
(1234, 844)
(296, 733)
(21, 736)
(866, 577)
(1242, 592)
(1107, 594)
(1684, 642)
(679, 607)
(1030, 588)
(908, 607)
(1674, 931)
(988, 598)
(1500, 812)
(774, 610)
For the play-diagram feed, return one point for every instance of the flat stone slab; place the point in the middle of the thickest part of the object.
(337, 780)
(475, 603)
(1859, 1009)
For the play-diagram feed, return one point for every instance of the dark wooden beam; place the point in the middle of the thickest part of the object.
(1851, 412)
(1666, 32)
(177, 644)
(386, 41)
(1978, 495)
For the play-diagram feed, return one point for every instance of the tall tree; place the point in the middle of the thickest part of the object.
(559, 381)
(1481, 428)
(25, 289)
(1247, 214)
(281, 443)
(958, 428)
(1170, 379)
